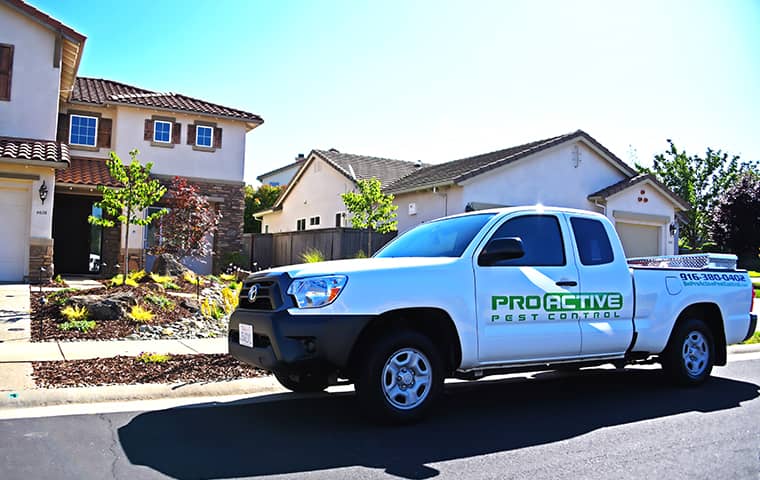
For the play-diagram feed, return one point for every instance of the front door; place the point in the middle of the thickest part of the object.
(519, 301)
(77, 244)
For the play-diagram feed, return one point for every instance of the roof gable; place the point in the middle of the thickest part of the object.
(99, 91)
(457, 171)
(623, 185)
(354, 167)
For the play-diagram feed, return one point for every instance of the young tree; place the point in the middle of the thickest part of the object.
(124, 205)
(191, 217)
(371, 209)
(699, 181)
(735, 220)
(257, 200)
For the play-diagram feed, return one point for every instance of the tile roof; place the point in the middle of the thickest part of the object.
(25, 149)
(386, 170)
(630, 182)
(101, 92)
(86, 171)
(459, 170)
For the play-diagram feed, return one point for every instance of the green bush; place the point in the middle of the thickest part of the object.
(754, 338)
(140, 314)
(160, 301)
(147, 357)
(312, 255)
(59, 297)
(75, 313)
(83, 326)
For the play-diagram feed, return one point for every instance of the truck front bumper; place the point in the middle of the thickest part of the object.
(286, 343)
(752, 326)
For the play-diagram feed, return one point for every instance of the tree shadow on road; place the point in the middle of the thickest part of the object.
(325, 432)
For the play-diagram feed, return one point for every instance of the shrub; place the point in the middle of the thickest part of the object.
(226, 277)
(230, 300)
(312, 255)
(117, 280)
(192, 278)
(172, 286)
(211, 309)
(755, 338)
(140, 314)
(147, 357)
(83, 326)
(58, 280)
(75, 313)
(160, 301)
(161, 279)
(59, 297)
(360, 254)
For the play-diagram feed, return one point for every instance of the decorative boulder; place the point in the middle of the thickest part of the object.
(105, 307)
(167, 264)
(190, 304)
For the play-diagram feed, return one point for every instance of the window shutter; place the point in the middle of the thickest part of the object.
(191, 134)
(148, 133)
(63, 128)
(217, 137)
(6, 66)
(176, 130)
(104, 132)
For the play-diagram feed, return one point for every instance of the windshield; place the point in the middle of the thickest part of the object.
(442, 238)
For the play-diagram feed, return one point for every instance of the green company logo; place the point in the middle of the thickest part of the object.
(567, 305)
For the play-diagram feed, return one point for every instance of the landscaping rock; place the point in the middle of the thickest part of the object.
(168, 264)
(190, 304)
(104, 307)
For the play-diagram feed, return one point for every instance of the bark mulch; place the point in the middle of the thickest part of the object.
(129, 370)
(49, 315)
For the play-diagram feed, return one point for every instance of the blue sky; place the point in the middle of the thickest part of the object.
(440, 80)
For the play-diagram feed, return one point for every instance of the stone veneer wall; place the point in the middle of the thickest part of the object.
(40, 255)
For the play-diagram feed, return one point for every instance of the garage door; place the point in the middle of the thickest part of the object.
(14, 233)
(639, 240)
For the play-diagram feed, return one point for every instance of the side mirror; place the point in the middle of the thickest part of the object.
(501, 249)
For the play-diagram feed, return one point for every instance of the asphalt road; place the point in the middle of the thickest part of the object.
(598, 425)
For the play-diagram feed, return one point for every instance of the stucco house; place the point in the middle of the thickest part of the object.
(312, 199)
(572, 170)
(56, 130)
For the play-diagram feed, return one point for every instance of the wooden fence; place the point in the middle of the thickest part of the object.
(276, 249)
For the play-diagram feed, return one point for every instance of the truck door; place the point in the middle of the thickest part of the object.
(605, 307)
(519, 300)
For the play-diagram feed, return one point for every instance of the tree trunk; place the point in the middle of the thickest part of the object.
(126, 239)
(369, 241)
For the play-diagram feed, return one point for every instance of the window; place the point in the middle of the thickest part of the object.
(440, 238)
(314, 221)
(204, 136)
(83, 130)
(339, 218)
(592, 240)
(301, 224)
(162, 131)
(6, 67)
(541, 237)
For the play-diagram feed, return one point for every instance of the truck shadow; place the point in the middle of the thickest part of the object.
(324, 432)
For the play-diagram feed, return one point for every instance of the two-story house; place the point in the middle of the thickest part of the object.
(39, 57)
(282, 176)
(180, 135)
(56, 130)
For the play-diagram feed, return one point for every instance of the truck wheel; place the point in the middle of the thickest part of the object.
(688, 358)
(302, 382)
(401, 378)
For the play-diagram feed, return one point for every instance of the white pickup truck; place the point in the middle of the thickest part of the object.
(494, 291)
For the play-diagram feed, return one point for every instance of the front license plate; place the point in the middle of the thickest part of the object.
(246, 335)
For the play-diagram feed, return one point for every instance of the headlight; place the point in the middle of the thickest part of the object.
(317, 291)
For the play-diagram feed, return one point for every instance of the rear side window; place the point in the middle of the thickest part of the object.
(593, 243)
(541, 237)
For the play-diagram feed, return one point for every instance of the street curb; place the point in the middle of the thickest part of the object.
(744, 348)
(44, 397)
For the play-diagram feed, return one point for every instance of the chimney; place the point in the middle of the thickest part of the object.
(300, 157)
(418, 164)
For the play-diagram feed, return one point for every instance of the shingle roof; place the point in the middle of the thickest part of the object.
(25, 149)
(386, 170)
(101, 92)
(459, 170)
(280, 169)
(86, 171)
(630, 182)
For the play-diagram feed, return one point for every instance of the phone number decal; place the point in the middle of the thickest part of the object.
(713, 279)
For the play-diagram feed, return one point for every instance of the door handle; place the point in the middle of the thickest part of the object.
(567, 283)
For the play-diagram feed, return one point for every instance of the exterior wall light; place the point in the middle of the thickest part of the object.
(43, 192)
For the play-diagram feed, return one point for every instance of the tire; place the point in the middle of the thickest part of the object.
(401, 377)
(302, 382)
(688, 359)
